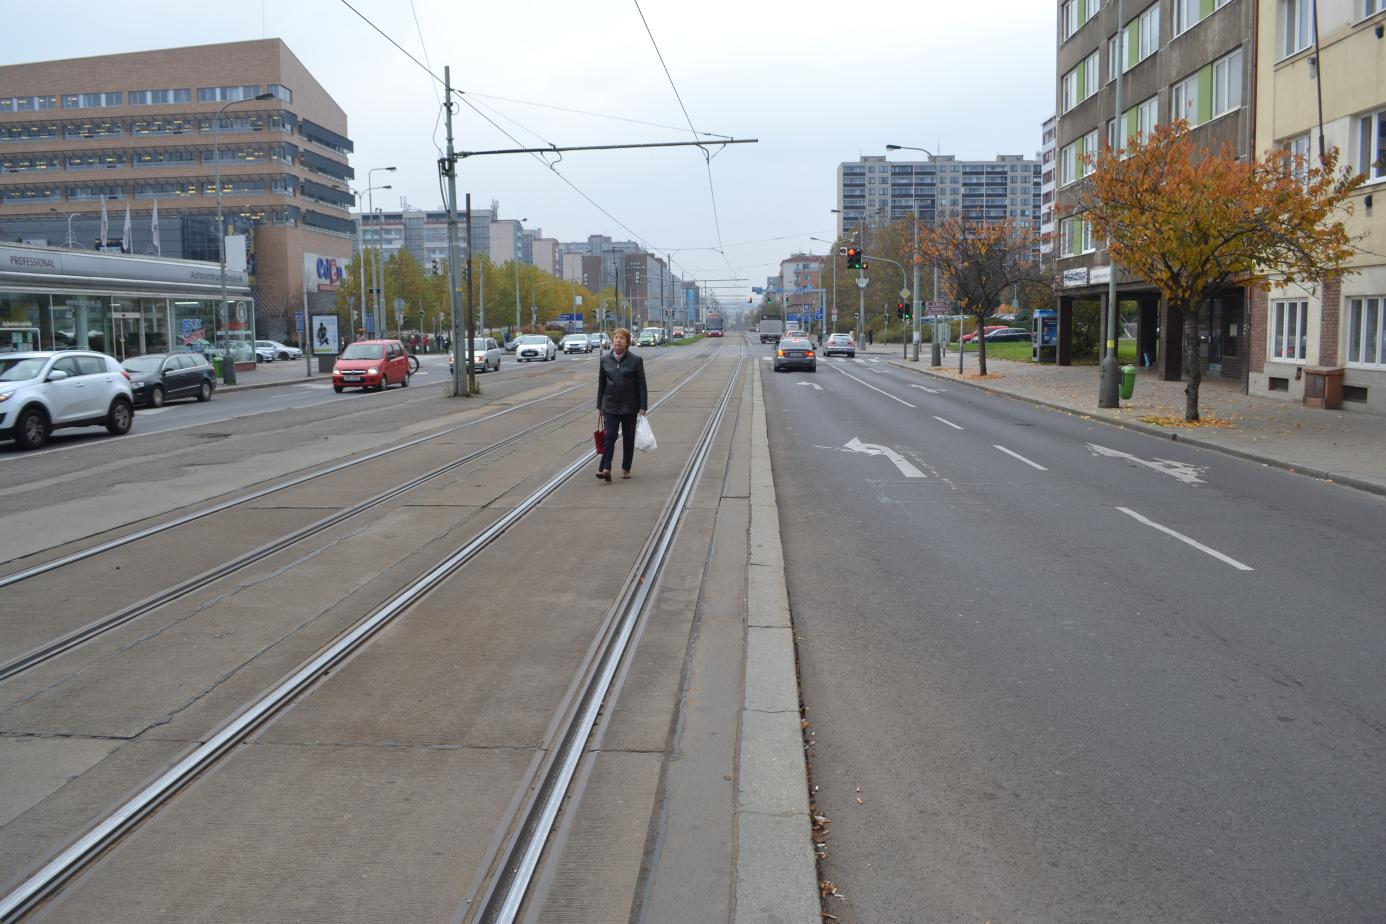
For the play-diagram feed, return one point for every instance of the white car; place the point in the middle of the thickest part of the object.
(275, 350)
(576, 343)
(486, 355)
(535, 346)
(43, 391)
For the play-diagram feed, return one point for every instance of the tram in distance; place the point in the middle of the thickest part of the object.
(713, 325)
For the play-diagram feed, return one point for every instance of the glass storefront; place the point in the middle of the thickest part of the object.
(124, 326)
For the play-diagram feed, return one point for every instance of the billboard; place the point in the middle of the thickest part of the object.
(322, 274)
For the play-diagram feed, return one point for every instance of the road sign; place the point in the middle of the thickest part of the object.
(938, 307)
(905, 294)
(862, 281)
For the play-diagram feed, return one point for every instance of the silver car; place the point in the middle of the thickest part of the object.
(576, 343)
(42, 391)
(486, 355)
(535, 346)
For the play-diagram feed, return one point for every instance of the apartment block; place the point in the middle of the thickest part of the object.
(1189, 59)
(1340, 322)
(143, 130)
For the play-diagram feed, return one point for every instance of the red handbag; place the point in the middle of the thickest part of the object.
(599, 439)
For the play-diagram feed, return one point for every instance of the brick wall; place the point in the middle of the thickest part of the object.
(1330, 319)
(1259, 301)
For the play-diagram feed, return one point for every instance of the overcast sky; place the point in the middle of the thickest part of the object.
(816, 83)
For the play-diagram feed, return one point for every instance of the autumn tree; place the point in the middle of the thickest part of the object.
(1192, 222)
(978, 263)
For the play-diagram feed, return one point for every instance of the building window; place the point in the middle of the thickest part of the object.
(1068, 19)
(91, 100)
(1296, 26)
(1183, 100)
(1148, 116)
(1141, 37)
(1070, 89)
(1371, 145)
(1227, 83)
(227, 94)
(1091, 68)
(1297, 158)
(1371, 7)
(1112, 58)
(1187, 13)
(1367, 331)
(159, 97)
(1090, 152)
(1068, 164)
(280, 92)
(1289, 336)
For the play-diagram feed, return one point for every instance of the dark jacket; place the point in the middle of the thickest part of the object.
(621, 384)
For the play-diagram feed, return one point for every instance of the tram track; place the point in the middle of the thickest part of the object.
(101, 625)
(68, 862)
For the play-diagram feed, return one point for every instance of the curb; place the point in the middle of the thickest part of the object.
(776, 873)
(238, 387)
(1294, 469)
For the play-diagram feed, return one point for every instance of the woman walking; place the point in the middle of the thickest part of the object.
(621, 399)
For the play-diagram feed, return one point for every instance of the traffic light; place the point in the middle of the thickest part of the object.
(900, 310)
(854, 258)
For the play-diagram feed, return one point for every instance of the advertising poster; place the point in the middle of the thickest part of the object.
(325, 335)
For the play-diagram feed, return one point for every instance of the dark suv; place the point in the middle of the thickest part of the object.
(157, 377)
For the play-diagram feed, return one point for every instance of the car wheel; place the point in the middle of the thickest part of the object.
(31, 430)
(282, 355)
(204, 392)
(404, 382)
(156, 396)
(120, 417)
(337, 389)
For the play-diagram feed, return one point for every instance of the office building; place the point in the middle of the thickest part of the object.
(137, 131)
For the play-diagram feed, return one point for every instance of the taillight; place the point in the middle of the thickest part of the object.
(126, 374)
(779, 352)
(809, 354)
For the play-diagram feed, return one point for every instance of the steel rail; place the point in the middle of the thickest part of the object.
(515, 870)
(72, 558)
(69, 861)
(52, 649)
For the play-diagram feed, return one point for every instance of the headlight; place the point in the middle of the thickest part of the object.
(372, 371)
(336, 370)
(5, 396)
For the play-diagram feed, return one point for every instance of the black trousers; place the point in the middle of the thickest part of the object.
(626, 423)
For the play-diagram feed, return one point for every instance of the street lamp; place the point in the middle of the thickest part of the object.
(935, 359)
(361, 251)
(379, 302)
(71, 241)
(228, 361)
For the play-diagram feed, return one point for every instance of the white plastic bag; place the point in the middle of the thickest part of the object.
(644, 436)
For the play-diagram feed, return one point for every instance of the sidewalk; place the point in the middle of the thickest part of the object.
(1348, 447)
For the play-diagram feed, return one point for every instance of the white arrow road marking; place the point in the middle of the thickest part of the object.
(932, 391)
(1185, 539)
(949, 422)
(871, 449)
(872, 387)
(1183, 471)
(810, 385)
(1016, 455)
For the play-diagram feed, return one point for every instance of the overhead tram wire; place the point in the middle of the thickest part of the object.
(461, 95)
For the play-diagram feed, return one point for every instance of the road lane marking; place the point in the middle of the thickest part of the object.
(871, 449)
(1016, 455)
(872, 387)
(1185, 539)
(1183, 471)
(810, 384)
(932, 391)
(949, 422)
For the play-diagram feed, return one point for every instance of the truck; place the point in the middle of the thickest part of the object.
(771, 329)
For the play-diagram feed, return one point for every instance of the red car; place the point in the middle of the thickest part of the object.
(374, 364)
(971, 335)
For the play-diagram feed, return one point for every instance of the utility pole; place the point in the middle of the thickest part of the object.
(914, 285)
(449, 166)
(1109, 384)
(471, 320)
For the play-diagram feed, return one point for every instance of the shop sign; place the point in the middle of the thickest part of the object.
(1074, 277)
(29, 262)
(323, 274)
(1100, 274)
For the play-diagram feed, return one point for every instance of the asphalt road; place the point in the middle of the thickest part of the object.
(1057, 671)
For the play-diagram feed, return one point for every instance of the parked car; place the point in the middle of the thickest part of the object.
(576, 343)
(841, 344)
(45, 390)
(157, 377)
(795, 353)
(971, 335)
(535, 346)
(649, 336)
(1007, 334)
(599, 341)
(374, 364)
(264, 354)
(485, 355)
(277, 350)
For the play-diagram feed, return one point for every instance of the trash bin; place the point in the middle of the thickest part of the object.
(1128, 382)
(216, 367)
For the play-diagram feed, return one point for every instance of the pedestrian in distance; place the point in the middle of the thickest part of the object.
(622, 399)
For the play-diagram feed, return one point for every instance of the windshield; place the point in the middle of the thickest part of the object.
(533, 338)
(575, 338)
(364, 351)
(143, 363)
(478, 346)
(19, 370)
